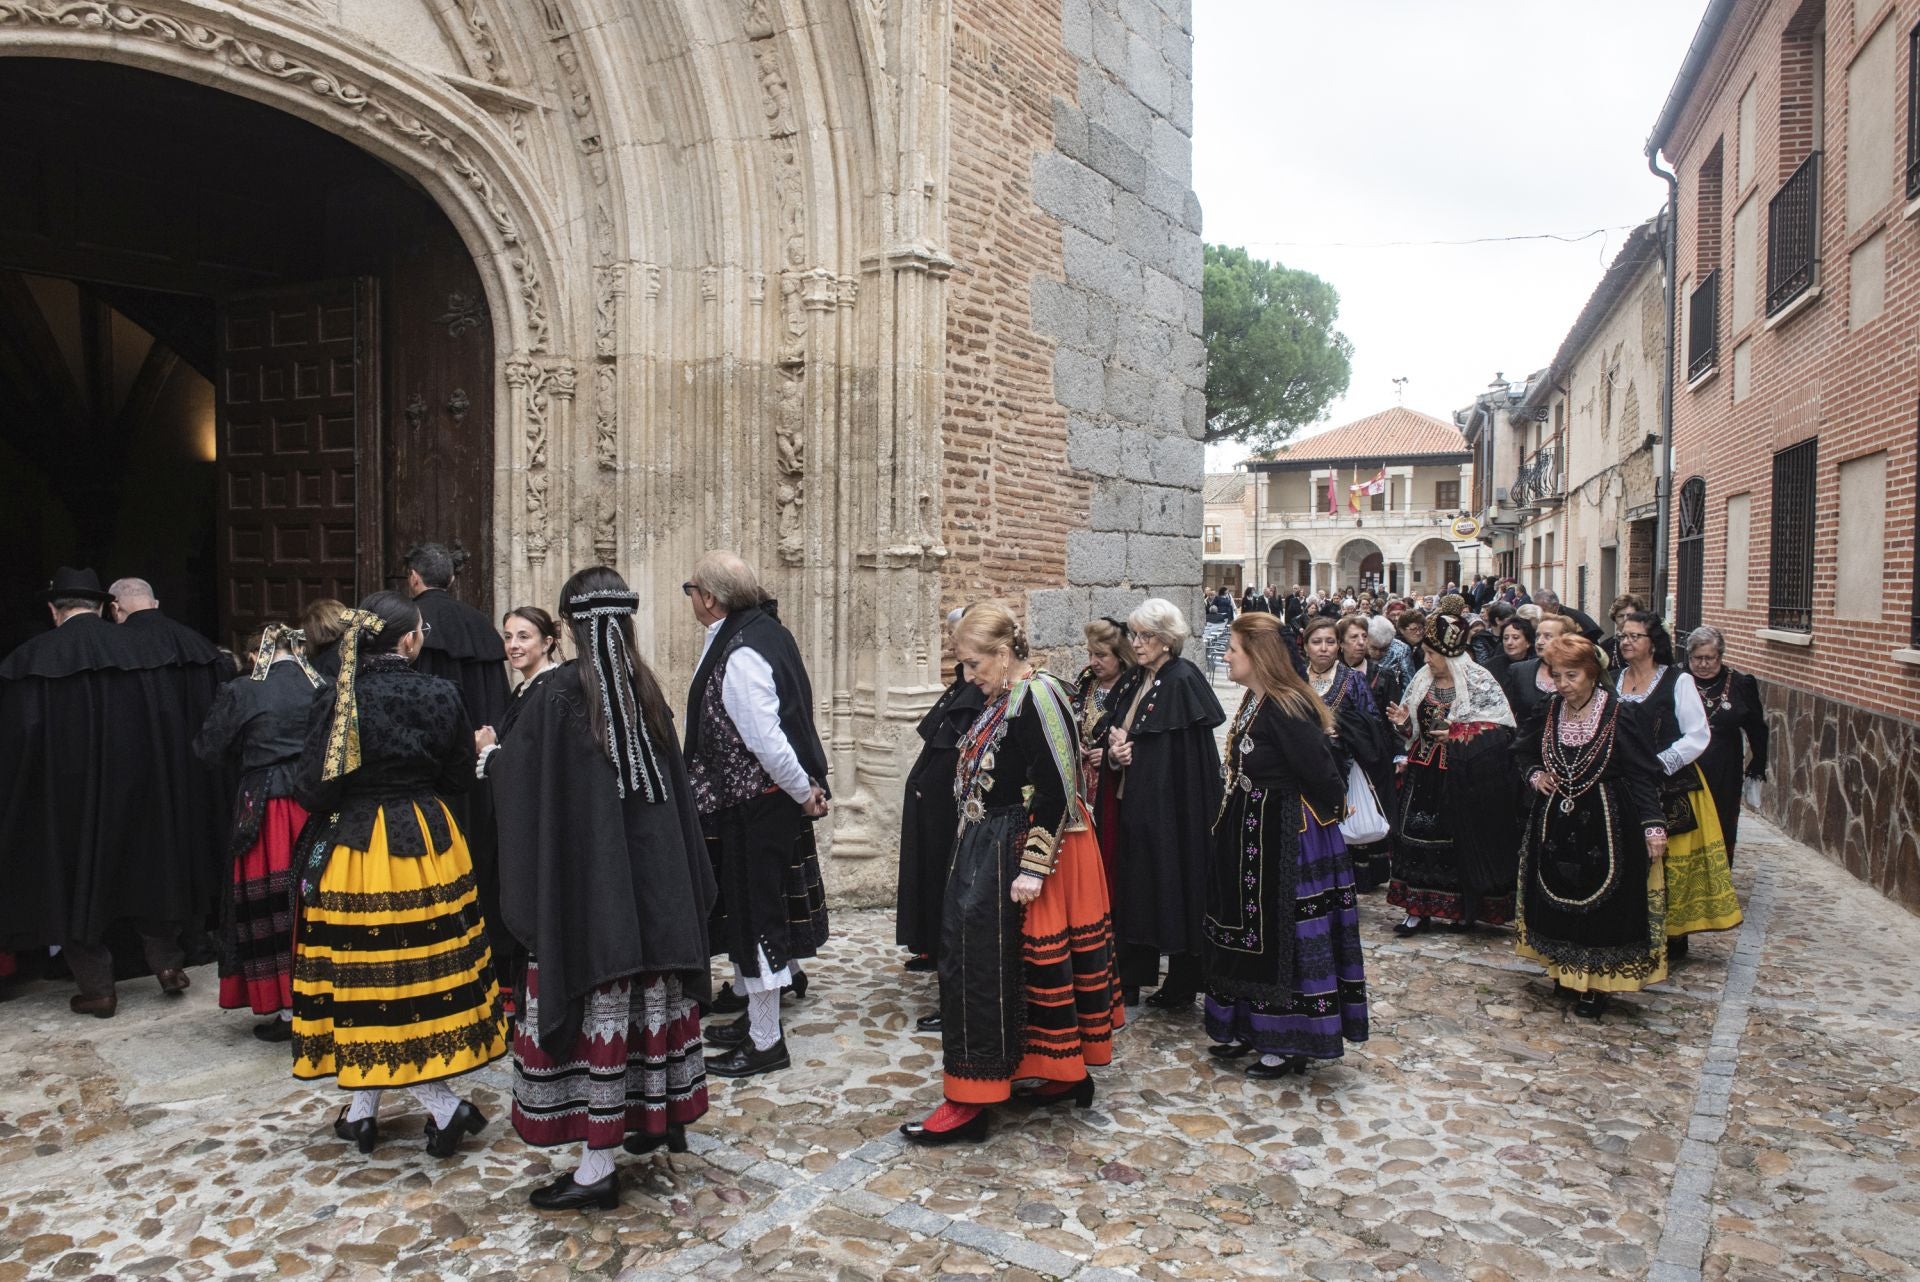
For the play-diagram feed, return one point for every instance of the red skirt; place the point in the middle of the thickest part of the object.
(261, 979)
(636, 1065)
(1066, 975)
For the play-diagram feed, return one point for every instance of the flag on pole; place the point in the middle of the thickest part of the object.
(1378, 485)
(1333, 502)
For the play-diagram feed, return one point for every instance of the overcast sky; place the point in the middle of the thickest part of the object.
(1327, 123)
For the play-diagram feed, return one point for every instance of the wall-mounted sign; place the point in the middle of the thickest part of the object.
(1466, 527)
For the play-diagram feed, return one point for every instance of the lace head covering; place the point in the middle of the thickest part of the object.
(343, 739)
(272, 637)
(635, 766)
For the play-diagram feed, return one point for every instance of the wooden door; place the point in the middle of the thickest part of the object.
(298, 449)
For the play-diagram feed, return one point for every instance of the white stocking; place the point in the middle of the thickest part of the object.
(763, 1018)
(437, 1098)
(363, 1105)
(596, 1164)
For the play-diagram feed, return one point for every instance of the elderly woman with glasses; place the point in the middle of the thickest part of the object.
(1159, 732)
(1699, 880)
(1734, 713)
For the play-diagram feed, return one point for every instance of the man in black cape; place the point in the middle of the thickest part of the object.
(759, 775)
(465, 647)
(104, 813)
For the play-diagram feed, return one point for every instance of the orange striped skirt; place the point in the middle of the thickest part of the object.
(1041, 998)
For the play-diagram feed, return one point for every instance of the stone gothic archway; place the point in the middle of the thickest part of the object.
(712, 241)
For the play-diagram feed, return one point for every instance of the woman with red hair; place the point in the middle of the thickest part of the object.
(1592, 902)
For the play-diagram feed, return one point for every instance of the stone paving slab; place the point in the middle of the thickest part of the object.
(1753, 1119)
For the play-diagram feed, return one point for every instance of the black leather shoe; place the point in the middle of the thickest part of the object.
(1080, 1093)
(929, 1023)
(1411, 926)
(1130, 994)
(467, 1120)
(745, 1061)
(797, 989)
(674, 1141)
(565, 1195)
(1165, 998)
(1676, 947)
(969, 1133)
(274, 1030)
(1291, 1066)
(1230, 1050)
(1591, 1005)
(364, 1133)
(920, 964)
(100, 1006)
(173, 981)
(726, 1036)
(726, 1001)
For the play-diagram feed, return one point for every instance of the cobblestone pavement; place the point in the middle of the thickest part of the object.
(1756, 1118)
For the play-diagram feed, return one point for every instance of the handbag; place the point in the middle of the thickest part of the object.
(1676, 798)
(1365, 821)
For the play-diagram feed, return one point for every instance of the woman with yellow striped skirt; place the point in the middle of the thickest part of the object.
(392, 977)
(1699, 875)
(1028, 989)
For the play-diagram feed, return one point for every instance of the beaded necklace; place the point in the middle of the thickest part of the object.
(973, 777)
(1577, 767)
(1239, 744)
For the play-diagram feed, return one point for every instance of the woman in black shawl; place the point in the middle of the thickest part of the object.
(1363, 733)
(1734, 713)
(1159, 731)
(928, 817)
(605, 879)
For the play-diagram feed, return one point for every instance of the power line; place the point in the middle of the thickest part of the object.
(1564, 238)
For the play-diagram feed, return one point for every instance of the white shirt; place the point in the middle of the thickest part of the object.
(753, 702)
(1689, 712)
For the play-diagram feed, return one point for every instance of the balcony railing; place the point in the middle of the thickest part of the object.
(1703, 327)
(1540, 479)
(1294, 519)
(1793, 235)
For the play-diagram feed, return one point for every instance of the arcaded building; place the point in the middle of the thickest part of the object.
(900, 299)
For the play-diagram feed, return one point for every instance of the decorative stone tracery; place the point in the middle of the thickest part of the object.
(727, 301)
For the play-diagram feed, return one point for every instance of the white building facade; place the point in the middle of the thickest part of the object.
(1409, 538)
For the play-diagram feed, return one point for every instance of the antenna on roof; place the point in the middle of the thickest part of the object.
(1400, 390)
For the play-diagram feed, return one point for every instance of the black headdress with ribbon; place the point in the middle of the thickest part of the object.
(635, 766)
(272, 637)
(343, 738)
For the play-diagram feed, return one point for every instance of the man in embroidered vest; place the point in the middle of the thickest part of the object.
(759, 778)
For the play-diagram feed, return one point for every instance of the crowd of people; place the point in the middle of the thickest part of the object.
(434, 842)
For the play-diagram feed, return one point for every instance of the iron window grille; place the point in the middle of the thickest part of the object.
(1691, 553)
(1793, 235)
(1790, 568)
(1913, 628)
(1703, 326)
(1913, 113)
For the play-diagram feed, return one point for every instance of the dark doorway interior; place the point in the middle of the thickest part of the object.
(136, 209)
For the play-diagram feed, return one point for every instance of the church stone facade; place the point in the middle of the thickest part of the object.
(899, 297)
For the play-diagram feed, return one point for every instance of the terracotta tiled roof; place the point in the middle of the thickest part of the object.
(1225, 487)
(1391, 434)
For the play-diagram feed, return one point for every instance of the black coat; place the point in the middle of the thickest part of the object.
(930, 817)
(1171, 797)
(596, 886)
(416, 750)
(1726, 763)
(259, 729)
(104, 811)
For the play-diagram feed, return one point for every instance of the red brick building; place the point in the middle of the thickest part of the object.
(1791, 131)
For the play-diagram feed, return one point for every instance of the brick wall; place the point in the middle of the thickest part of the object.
(1709, 203)
(1075, 366)
(1812, 373)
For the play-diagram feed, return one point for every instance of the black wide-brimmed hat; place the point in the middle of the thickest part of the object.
(1448, 633)
(70, 584)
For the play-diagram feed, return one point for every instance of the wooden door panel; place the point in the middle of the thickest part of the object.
(297, 413)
